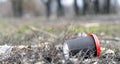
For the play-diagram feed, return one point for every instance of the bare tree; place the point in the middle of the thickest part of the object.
(107, 6)
(85, 7)
(76, 8)
(96, 6)
(48, 7)
(17, 7)
(60, 9)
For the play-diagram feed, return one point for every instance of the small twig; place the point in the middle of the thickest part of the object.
(45, 32)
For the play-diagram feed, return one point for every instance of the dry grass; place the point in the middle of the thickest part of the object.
(50, 36)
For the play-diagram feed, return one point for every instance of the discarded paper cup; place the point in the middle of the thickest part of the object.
(88, 45)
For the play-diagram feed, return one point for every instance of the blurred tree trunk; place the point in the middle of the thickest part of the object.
(96, 6)
(107, 7)
(48, 7)
(60, 9)
(17, 7)
(85, 6)
(76, 8)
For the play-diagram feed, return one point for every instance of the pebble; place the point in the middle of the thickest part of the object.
(5, 49)
(109, 51)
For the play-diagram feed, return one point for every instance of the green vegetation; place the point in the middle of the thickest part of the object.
(108, 30)
(50, 29)
(19, 30)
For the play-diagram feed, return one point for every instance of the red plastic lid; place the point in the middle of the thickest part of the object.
(97, 43)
